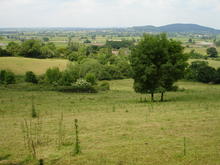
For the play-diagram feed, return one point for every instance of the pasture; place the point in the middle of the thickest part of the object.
(115, 127)
(20, 65)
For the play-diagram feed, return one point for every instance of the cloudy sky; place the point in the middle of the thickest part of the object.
(107, 13)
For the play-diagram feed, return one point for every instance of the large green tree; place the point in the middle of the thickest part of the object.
(157, 63)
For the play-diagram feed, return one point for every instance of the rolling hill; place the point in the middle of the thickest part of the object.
(178, 28)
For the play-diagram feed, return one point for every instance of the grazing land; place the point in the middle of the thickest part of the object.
(115, 127)
(20, 65)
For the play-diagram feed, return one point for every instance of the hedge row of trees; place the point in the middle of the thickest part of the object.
(68, 80)
(30, 48)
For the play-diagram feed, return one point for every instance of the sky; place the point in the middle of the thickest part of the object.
(107, 13)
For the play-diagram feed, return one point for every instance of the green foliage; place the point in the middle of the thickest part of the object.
(74, 71)
(80, 86)
(87, 41)
(66, 78)
(90, 65)
(91, 78)
(212, 52)
(31, 77)
(157, 62)
(46, 39)
(119, 44)
(193, 69)
(4, 53)
(31, 48)
(53, 75)
(48, 50)
(73, 56)
(2, 76)
(13, 48)
(217, 80)
(7, 77)
(206, 74)
(200, 71)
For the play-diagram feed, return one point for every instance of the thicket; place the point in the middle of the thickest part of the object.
(200, 71)
(7, 77)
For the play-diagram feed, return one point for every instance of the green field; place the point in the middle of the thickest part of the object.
(114, 127)
(213, 63)
(20, 65)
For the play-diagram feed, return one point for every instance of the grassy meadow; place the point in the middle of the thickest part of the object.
(117, 127)
(20, 65)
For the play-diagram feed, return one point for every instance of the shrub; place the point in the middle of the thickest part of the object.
(206, 74)
(193, 69)
(31, 77)
(53, 75)
(9, 78)
(66, 79)
(2, 76)
(81, 86)
(200, 71)
(217, 80)
(73, 56)
(73, 70)
(4, 53)
(91, 66)
(91, 78)
(212, 52)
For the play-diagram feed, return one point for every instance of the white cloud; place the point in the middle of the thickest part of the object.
(101, 13)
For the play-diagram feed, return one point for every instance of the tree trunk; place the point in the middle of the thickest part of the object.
(161, 98)
(152, 97)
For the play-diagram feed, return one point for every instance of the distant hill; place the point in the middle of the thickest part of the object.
(171, 28)
(178, 28)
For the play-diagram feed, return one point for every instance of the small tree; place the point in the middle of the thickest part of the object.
(2, 76)
(30, 77)
(157, 63)
(53, 75)
(212, 52)
(9, 78)
(90, 77)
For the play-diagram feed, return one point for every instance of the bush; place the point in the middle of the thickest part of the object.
(193, 69)
(4, 53)
(53, 75)
(31, 77)
(73, 70)
(2, 76)
(200, 71)
(81, 85)
(91, 78)
(212, 52)
(206, 74)
(66, 79)
(9, 78)
(217, 80)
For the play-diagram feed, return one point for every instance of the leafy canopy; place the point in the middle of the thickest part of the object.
(157, 62)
